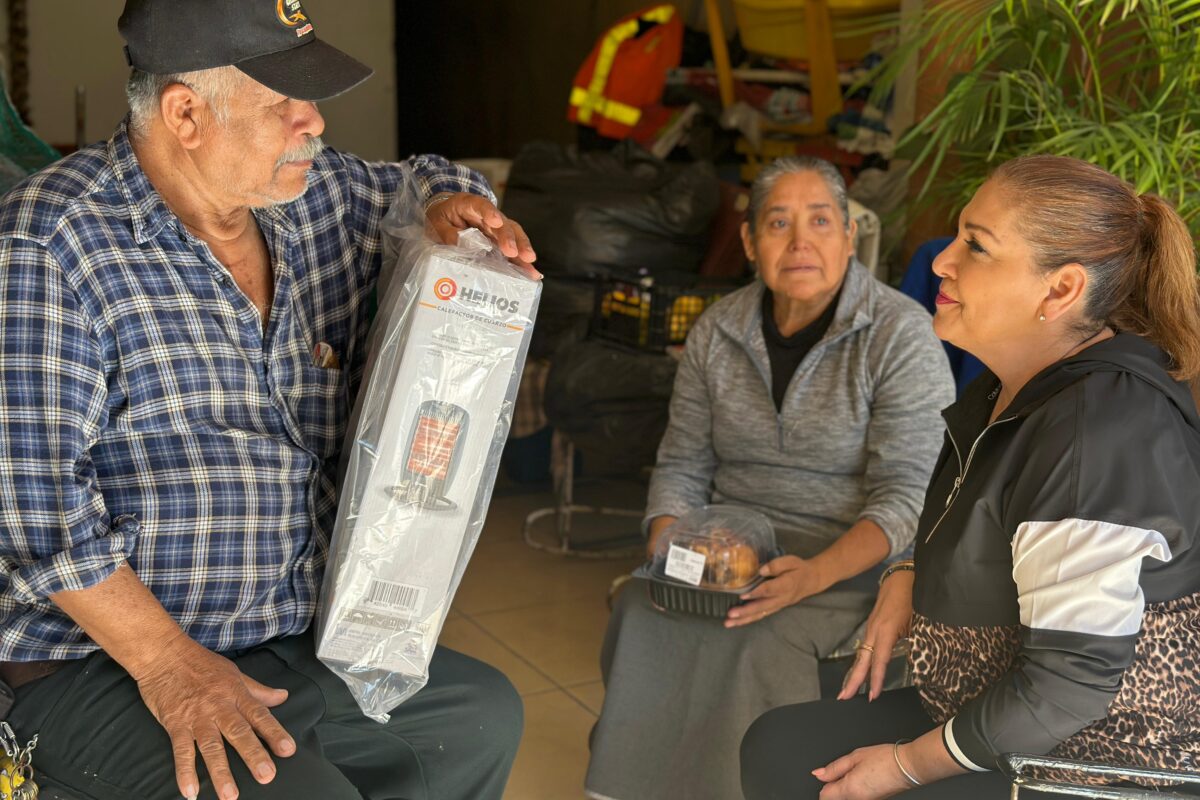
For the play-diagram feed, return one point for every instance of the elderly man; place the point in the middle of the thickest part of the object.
(168, 441)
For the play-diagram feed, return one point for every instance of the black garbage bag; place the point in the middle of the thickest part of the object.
(612, 403)
(623, 210)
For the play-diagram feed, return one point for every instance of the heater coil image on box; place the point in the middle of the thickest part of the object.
(433, 455)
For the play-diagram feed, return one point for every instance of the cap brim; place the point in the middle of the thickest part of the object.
(313, 71)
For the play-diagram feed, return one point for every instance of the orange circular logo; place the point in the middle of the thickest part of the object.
(290, 12)
(445, 289)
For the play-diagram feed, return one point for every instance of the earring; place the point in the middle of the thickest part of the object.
(1041, 317)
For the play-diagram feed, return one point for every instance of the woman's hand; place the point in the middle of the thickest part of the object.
(869, 773)
(889, 622)
(790, 579)
(657, 526)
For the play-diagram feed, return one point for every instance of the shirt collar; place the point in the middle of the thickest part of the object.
(147, 210)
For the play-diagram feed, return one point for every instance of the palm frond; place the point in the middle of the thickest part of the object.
(1115, 82)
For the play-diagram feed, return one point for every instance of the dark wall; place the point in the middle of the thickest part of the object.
(480, 78)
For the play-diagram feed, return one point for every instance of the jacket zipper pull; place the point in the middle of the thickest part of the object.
(954, 491)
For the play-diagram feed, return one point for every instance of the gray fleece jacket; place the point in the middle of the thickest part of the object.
(859, 431)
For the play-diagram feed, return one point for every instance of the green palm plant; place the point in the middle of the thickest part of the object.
(1113, 82)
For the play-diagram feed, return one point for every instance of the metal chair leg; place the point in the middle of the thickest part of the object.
(563, 511)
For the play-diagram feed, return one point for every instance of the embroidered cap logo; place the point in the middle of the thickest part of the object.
(445, 289)
(291, 14)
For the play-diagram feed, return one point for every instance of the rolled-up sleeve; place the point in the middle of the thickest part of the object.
(683, 472)
(55, 532)
(912, 384)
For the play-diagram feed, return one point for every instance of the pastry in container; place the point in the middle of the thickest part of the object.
(704, 561)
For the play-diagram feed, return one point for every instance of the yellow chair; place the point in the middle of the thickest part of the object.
(824, 90)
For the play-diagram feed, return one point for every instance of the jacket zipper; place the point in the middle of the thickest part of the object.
(962, 470)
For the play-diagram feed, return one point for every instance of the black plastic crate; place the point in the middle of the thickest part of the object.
(652, 312)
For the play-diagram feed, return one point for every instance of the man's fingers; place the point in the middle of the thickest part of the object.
(525, 250)
(505, 239)
(183, 747)
(212, 750)
(240, 734)
(508, 237)
(270, 731)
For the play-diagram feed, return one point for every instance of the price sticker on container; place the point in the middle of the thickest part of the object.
(685, 565)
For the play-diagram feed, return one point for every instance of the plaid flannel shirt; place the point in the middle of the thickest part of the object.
(146, 417)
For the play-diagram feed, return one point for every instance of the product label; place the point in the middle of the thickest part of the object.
(684, 565)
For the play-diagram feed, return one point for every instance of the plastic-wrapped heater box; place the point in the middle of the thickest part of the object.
(446, 357)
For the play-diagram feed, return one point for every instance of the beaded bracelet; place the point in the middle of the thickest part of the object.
(899, 566)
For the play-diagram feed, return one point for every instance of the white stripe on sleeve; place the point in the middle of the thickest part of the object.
(1082, 576)
(955, 751)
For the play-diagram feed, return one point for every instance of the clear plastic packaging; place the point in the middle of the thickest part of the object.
(715, 547)
(423, 447)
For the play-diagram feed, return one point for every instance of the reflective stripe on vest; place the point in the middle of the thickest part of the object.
(609, 109)
(592, 99)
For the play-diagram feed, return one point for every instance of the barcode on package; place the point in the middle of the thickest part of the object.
(395, 596)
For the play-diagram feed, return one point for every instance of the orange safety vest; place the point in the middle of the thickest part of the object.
(626, 71)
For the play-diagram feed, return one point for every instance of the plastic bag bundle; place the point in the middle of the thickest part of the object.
(423, 447)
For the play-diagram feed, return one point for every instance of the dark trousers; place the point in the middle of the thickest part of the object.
(783, 746)
(456, 738)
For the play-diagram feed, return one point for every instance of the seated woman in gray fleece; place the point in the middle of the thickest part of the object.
(813, 396)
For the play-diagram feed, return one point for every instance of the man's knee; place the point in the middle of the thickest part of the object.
(500, 712)
(493, 713)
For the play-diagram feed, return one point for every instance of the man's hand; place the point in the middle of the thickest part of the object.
(790, 579)
(869, 773)
(448, 214)
(201, 699)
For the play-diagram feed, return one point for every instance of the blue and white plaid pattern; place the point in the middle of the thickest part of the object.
(146, 418)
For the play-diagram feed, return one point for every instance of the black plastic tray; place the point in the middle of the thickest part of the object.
(672, 595)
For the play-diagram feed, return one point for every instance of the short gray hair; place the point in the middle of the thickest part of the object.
(144, 90)
(790, 165)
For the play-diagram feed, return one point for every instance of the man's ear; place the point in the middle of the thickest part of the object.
(181, 109)
(1066, 287)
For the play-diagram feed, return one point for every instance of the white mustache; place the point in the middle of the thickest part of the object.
(308, 151)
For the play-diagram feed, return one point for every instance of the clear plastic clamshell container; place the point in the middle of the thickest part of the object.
(708, 557)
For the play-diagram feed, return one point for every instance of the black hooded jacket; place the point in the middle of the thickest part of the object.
(1057, 577)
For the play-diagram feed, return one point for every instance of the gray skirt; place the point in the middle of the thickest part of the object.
(681, 690)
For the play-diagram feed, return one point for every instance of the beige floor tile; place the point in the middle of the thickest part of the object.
(463, 635)
(504, 575)
(506, 514)
(562, 639)
(590, 694)
(554, 752)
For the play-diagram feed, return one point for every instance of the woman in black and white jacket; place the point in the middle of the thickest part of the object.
(1055, 602)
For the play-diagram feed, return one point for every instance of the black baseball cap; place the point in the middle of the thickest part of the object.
(272, 41)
